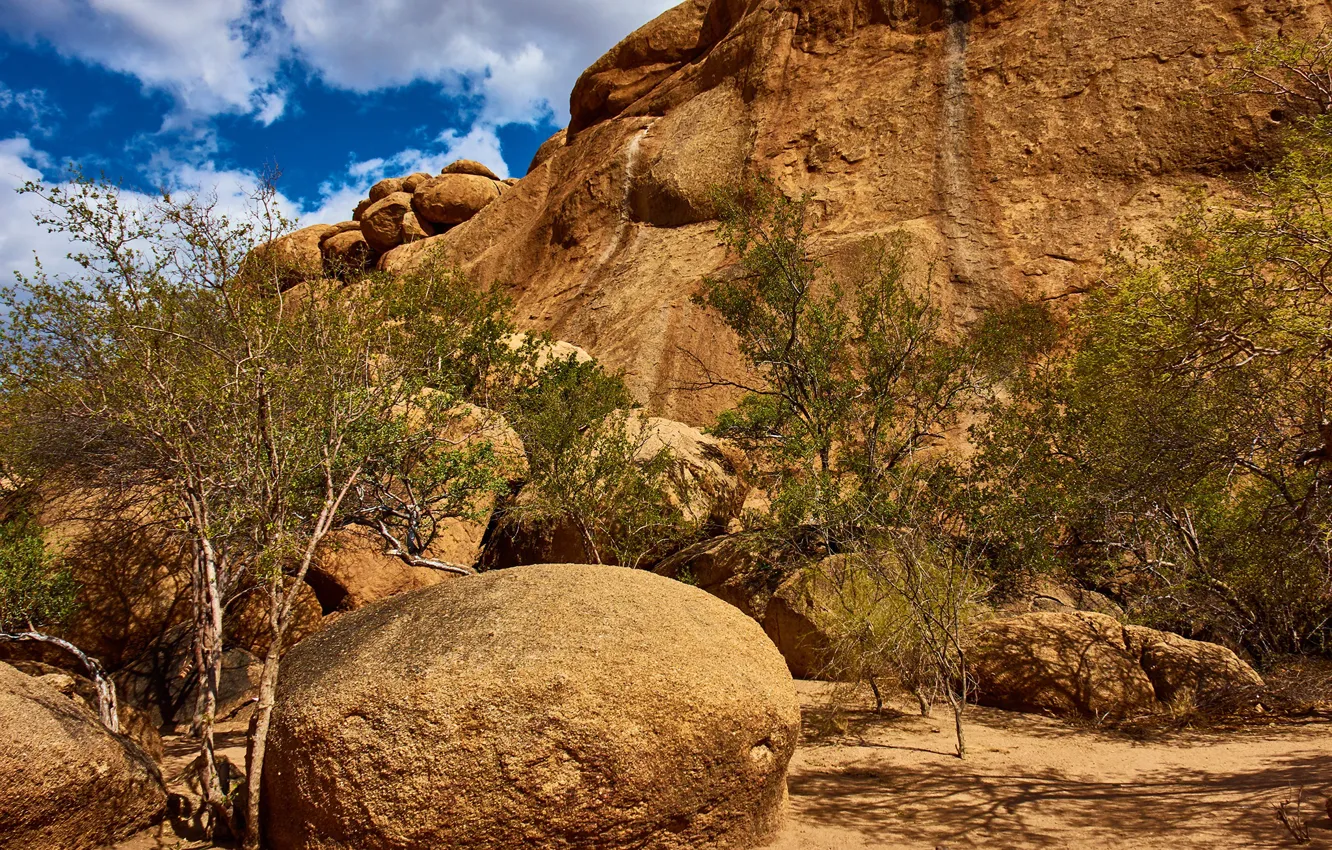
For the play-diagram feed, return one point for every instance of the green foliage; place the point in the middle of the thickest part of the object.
(861, 384)
(591, 467)
(36, 591)
(1180, 445)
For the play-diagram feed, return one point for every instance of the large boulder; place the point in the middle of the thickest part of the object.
(386, 187)
(1089, 664)
(791, 621)
(470, 166)
(453, 198)
(131, 570)
(744, 570)
(381, 223)
(66, 783)
(1193, 673)
(135, 723)
(294, 258)
(346, 253)
(706, 471)
(553, 706)
(1015, 150)
(351, 571)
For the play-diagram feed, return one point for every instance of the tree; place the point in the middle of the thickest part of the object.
(263, 418)
(856, 388)
(590, 467)
(38, 593)
(1179, 445)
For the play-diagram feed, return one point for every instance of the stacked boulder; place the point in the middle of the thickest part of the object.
(399, 210)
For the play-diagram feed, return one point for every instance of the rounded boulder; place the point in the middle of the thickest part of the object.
(66, 783)
(453, 198)
(555, 706)
(381, 224)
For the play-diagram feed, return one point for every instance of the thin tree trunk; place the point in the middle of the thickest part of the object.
(878, 696)
(926, 706)
(208, 654)
(958, 705)
(107, 708)
(263, 718)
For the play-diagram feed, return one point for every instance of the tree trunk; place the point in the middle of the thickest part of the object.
(926, 705)
(208, 656)
(263, 717)
(107, 709)
(878, 696)
(958, 705)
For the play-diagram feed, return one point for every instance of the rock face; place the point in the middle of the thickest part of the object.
(1089, 664)
(557, 706)
(65, 782)
(1014, 145)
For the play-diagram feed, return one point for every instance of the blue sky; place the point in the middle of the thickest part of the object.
(203, 94)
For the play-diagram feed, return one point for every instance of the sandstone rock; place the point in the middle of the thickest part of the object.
(381, 224)
(739, 569)
(791, 623)
(1194, 673)
(453, 198)
(706, 470)
(1014, 164)
(135, 723)
(248, 625)
(415, 229)
(132, 574)
(646, 58)
(352, 571)
(346, 253)
(561, 706)
(384, 188)
(551, 352)
(340, 227)
(361, 207)
(294, 258)
(469, 166)
(1064, 664)
(412, 182)
(548, 149)
(66, 783)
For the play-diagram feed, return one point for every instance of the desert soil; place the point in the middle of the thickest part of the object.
(891, 781)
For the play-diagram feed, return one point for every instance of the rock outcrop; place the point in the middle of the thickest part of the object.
(561, 706)
(66, 783)
(1013, 140)
(1089, 664)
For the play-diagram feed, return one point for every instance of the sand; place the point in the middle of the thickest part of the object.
(893, 781)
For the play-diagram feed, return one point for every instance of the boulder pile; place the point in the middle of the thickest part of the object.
(555, 706)
(399, 210)
(1091, 665)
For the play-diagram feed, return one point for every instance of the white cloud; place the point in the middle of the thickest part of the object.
(21, 236)
(520, 57)
(212, 56)
(33, 105)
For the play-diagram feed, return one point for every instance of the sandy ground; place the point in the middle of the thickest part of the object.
(893, 781)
